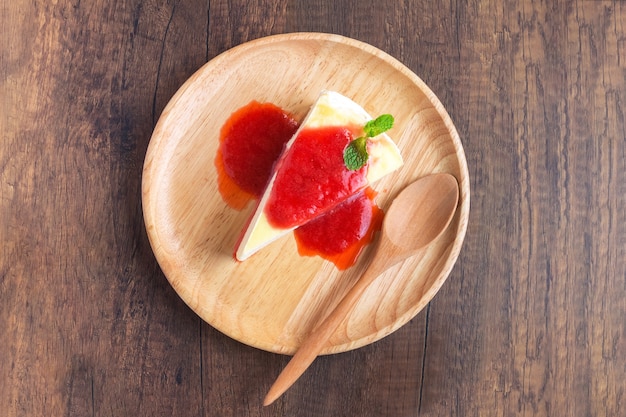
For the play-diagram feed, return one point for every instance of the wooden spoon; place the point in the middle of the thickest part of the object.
(417, 216)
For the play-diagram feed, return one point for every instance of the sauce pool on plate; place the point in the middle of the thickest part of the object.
(251, 141)
(341, 234)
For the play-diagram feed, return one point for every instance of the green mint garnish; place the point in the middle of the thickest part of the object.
(355, 155)
(379, 125)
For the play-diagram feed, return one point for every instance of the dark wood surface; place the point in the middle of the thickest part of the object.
(531, 322)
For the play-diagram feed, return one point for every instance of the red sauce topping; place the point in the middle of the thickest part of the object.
(251, 141)
(312, 180)
(313, 177)
(340, 234)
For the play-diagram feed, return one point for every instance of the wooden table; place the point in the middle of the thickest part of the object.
(531, 322)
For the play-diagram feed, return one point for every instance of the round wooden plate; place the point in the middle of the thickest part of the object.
(272, 300)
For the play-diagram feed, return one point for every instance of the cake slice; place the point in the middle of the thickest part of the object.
(311, 177)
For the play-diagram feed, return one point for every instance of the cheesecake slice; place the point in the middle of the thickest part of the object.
(310, 176)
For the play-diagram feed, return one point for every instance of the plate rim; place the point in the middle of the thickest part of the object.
(464, 188)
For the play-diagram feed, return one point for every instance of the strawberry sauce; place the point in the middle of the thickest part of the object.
(340, 234)
(312, 179)
(251, 141)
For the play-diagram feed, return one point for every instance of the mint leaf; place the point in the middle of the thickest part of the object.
(355, 155)
(379, 125)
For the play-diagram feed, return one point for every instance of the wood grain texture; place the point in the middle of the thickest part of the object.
(531, 320)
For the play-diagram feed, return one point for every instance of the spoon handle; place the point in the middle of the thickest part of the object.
(317, 339)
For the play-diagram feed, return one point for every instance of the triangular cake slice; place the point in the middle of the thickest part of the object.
(310, 176)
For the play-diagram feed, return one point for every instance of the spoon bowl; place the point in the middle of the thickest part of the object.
(417, 216)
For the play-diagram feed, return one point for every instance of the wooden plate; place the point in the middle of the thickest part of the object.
(272, 300)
